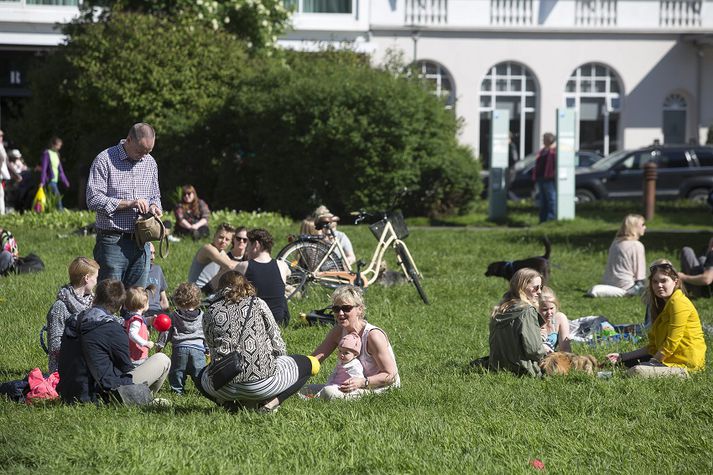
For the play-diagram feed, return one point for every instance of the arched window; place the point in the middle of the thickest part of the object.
(675, 109)
(594, 91)
(440, 79)
(509, 86)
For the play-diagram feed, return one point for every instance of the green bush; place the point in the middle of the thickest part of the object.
(328, 128)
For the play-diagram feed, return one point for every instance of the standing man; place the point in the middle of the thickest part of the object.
(544, 175)
(52, 171)
(123, 182)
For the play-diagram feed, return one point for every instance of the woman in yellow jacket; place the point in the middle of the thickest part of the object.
(676, 343)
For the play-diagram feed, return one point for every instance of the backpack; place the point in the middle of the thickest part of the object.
(29, 263)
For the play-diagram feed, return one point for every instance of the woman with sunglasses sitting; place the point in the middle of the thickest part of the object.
(515, 337)
(376, 356)
(676, 345)
(192, 214)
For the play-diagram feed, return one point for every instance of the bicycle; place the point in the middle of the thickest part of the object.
(316, 260)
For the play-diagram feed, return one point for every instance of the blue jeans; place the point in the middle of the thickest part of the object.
(185, 360)
(120, 258)
(548, 200)
(54, 188)
(6, 262)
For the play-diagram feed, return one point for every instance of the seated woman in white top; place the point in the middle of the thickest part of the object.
(626, 264)
(211, 260)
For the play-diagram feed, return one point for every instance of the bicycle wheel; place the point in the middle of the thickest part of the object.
(304, 258)
(411, 272)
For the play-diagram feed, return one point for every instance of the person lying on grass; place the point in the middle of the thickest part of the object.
(376, 355)
(94, 357)
(676, 345)
(515, 338)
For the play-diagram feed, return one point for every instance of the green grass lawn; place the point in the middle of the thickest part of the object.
(445, 418)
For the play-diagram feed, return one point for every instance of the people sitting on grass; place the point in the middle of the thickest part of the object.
(94, 358)
(192, 214)
(626, 262)
(348, 366)
(240, 243)
(186, 337)
(323, 217)
(515, 336)
(241, 322)
(555, 330)
(72, 298)
(376, 354)
(676, 344)
(266, 274)
(8, 252)
(697, 271)
(211, 260)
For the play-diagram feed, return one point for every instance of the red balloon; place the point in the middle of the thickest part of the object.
(162, 322)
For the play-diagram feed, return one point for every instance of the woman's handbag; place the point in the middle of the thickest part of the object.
(150, 228)
(222, 371)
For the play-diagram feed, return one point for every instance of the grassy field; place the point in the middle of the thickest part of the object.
(446, 417)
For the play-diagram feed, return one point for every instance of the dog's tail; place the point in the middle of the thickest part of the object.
(548, 247)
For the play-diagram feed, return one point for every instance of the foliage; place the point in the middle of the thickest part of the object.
(51, 220)
(328, 128)
(445, 418)
(250, 219)
(258, 22)
(133, 68)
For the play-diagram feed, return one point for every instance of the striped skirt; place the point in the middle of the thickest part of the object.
(286, 374)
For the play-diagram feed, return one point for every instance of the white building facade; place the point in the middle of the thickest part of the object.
(635, 70)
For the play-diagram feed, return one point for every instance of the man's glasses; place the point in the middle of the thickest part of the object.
(664, 266)
(343, 308)
(241, 239)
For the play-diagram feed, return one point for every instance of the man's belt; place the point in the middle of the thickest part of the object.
(116, 232)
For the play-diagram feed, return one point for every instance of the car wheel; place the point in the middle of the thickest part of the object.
(698, 195)
(584, 196)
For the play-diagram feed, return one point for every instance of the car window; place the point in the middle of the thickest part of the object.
(629, 163)
(610, 160)
(705, 156)
(672, 158)
(642, 158)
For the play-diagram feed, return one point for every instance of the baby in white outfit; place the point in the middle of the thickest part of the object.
(348, 365)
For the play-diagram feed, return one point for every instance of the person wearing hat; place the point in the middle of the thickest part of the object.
(348, 366)
(322, 214)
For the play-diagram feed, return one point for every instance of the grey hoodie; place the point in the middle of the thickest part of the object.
(186, 330)
(68, 303)
(516, 341)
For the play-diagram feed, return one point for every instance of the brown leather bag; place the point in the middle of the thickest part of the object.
(150, 228)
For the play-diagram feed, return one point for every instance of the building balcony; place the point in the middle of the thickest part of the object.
(616, 15)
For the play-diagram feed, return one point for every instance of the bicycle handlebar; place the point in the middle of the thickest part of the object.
(362, 214)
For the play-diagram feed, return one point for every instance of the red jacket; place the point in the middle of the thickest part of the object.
(549, 155)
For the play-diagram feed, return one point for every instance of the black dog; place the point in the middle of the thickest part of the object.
(506, 269)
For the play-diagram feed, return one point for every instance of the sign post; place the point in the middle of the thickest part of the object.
(565, 177)
(497, 181)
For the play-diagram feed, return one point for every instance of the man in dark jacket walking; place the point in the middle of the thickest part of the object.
(94, 355)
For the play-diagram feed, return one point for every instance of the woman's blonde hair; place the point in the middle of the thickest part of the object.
(235, 287)
(349, 295)
(656, 304)
(628, 229)
(516, 294)
(80, 267)
(137, 298)
(548, 296)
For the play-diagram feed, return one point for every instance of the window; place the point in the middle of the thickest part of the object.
(509, 86)
(594, 91)
(441, 80)
(705, 156)
(320, 6)
(674, 119)
(673, 158)
(68, 3)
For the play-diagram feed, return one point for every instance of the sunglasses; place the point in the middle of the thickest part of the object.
(241, 239)
(343, 308)
(663, 266)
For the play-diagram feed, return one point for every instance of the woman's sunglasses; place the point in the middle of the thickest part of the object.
(343, 308)
(664, 266)
(241, 239)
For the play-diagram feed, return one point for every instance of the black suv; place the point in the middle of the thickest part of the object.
(684, 171)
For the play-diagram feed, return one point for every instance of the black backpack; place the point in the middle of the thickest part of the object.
(29, 263)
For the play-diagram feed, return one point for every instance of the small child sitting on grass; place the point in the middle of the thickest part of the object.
(348, 366)
(136, 303)
(186, 336)
(555, 330)
(71, 299)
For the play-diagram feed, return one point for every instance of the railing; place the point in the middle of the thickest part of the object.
(511, 12)
(426, 12)
(680, 12)
(595, 12)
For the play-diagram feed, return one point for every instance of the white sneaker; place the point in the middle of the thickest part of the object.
(172, 238)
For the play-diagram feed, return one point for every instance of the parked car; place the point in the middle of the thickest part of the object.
(522, 185)
(684, 171)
